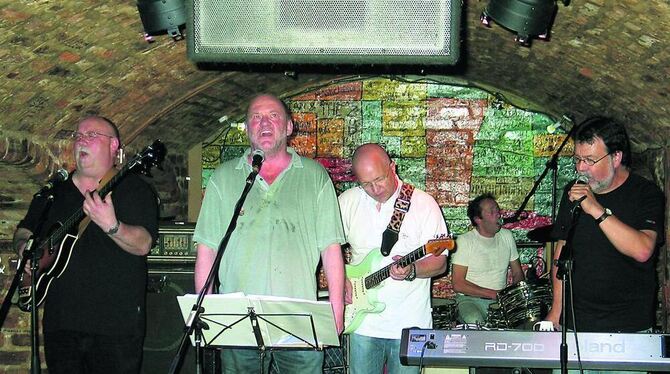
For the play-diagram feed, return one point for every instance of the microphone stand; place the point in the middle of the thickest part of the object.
(552, 164)
(564, 269)
(194, 323)
(565, 261)
(32, 252)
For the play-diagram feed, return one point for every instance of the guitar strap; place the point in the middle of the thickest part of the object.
(400, 208)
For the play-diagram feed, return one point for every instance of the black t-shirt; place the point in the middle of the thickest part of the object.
(613, 292)
(103, 287)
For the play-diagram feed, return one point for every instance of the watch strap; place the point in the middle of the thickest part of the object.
(603, 216)
(114, 229)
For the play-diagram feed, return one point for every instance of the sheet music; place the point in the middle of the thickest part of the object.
(226, 316)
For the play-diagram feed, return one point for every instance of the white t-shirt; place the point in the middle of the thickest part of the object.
(487, 259)
(407, 303)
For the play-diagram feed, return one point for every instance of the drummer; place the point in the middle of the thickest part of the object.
(481, 261)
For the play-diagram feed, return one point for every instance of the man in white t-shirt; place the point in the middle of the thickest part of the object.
(480, 262)
(366, 212)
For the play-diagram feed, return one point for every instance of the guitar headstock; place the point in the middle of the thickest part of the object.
(441, 243)
(151, 156)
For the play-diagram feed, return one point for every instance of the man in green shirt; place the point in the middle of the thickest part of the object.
(289, 221)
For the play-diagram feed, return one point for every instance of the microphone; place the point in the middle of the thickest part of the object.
(510, 219)
(581, 179)
(257, 158)
(60, 176)
(560, 124)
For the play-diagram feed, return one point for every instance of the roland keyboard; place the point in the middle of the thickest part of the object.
(528, 349)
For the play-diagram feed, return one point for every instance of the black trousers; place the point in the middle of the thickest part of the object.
(75, 352)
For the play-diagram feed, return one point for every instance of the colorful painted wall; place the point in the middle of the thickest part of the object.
(454, 142)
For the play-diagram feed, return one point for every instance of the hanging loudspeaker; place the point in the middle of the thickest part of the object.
(324, 31)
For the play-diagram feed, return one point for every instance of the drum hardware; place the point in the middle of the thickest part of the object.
(520, 305)
(444, 315)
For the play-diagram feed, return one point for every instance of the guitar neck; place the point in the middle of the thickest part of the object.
(380, 275)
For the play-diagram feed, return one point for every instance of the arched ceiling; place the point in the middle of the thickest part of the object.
(65, 59)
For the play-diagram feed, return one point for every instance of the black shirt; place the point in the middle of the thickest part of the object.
(103, 287)
(613, 292)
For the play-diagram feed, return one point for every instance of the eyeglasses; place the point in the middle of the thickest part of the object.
(377, 181)
(587, 160)
(89, 135)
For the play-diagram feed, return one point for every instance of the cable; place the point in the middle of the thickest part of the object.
(430, 345)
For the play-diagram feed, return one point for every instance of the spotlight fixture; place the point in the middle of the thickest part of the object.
(527, 18)
(162, 16)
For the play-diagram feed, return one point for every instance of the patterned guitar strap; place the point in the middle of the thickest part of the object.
(400, 208)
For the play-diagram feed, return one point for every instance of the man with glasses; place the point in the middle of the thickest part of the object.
(94, 313)
(366, 213)
(618, 229)
(480, 264)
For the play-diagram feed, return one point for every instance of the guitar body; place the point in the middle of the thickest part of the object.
(363, 300)
(367, 277)
(52, 264)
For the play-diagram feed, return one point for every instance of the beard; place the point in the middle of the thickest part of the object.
(599, 186)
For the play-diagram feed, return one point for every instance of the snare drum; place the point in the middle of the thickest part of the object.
(525, 303)
(444, 314)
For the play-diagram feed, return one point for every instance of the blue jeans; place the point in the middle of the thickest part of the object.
(472, 309)
(368, 355)
(245, 361)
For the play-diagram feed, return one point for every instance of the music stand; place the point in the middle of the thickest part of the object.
(266, 323)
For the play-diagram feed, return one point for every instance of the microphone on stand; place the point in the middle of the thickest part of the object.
(560, 124)
(257, 158)
(510, 219)
(60, 176)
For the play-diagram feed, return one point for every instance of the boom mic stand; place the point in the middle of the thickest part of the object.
(194, 324)
(565, 261)
(552, 164)
(33, 252)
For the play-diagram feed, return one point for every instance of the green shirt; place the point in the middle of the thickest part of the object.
(281, 232)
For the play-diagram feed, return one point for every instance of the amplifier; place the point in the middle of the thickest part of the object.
(175, 240)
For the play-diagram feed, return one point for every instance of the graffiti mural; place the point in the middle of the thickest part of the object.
(454, 142)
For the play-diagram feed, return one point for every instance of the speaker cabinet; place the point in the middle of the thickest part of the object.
(324, 31)
(165, 324)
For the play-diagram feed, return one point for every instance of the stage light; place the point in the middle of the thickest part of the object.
(527, 18)
(162, 16)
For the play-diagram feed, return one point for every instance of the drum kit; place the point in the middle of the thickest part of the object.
(519, 306)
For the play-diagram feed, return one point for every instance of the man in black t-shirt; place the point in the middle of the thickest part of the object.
(618, 229)
(94, 313)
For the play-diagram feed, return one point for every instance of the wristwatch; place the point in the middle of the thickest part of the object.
(114, 228)
(604, 216)
(412, 274)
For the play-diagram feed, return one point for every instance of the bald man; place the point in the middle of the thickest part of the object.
(94, 313)
(366, 213)
(291, 220)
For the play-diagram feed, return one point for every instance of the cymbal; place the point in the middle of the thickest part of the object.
(541, 234)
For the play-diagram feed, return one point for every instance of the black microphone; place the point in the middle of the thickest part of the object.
(60, 176)
(510, 219)
(257, 158)
(581, 179)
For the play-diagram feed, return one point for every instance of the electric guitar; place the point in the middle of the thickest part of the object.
(57, 247)
(364, 282)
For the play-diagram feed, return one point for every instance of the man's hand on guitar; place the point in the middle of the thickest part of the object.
(347, 292)
(400, 273)
(101, 211)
